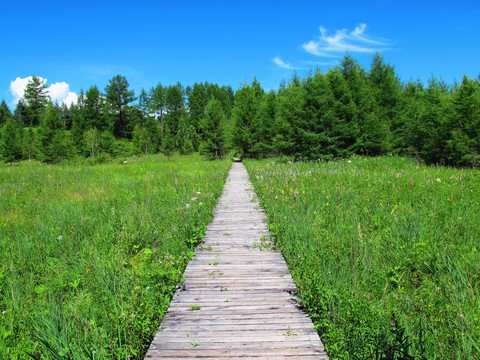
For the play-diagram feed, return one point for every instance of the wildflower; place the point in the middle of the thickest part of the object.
(187, 206)
(71, 228)
(125, 162)
(60, 237)
(439, 181)
(148, 287)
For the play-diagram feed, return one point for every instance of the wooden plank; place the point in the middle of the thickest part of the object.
(238, 298)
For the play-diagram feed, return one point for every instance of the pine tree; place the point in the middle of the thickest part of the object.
(344, 127)
(157, 103)
(22, 114)
(212, 143)
(318, 138)
(197, 101)
(5, 113)
(10, 140)
(174, 107)
(93, 111)
(263, 128)
(244, 111)
(464, 147)
(51, 133)
(36, 98)
(387, 90)
(119, 97)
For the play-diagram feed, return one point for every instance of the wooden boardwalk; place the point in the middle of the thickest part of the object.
(237, 300)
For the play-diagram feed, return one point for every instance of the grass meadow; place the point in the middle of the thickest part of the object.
(385, 253)
(91, 255)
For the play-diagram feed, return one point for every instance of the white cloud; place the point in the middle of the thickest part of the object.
(343, 41)
(71, 98)
(283, 64)
(58, 92)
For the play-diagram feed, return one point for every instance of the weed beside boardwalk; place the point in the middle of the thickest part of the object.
(385, 253)
(90, 256)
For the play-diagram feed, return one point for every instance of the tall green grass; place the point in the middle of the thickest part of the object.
(385, 253)
(90, 256)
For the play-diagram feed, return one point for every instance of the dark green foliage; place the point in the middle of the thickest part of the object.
(10, 141)
(464, 146)
(247, 99)
(157, 103)
(36, 99)
(174, 107)
(66, 114)
(118, 96)
(55, 143)
(263, 127)
(345, 111)
(212, 143)
(288, 113)
(5, 113)
(22, 114)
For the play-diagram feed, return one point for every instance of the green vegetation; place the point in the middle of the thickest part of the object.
(384, 251)
(343, 112)
(91, 255)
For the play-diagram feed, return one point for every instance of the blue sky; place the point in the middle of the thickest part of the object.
(74, 45)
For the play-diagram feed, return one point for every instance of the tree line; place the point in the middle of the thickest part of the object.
(345, 111)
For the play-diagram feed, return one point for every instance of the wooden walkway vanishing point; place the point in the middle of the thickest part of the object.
(237, 300)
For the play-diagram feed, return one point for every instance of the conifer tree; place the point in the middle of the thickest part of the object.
(10, 141)
(318, 138)
(5, 113)
(36, 99)
(157, 103)
(244, 111)
(51, 136)
(289, 114)
(174, 107)
(22, 114)
(212, 143)
(119, 97)
(263, 127)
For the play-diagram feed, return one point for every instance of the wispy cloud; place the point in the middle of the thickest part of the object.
(283, 64)
(343, 41)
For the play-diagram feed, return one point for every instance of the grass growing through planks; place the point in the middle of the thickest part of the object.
(385, 253)
(90, 256)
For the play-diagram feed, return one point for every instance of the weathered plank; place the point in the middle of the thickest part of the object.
(238, 299)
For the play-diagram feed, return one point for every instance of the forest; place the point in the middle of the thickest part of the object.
(346, 111)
